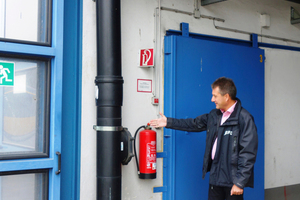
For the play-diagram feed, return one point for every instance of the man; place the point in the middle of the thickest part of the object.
(231, 142)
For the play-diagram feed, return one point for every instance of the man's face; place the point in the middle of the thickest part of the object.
(218, 99)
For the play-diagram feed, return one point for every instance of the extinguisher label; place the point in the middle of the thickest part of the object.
(153, 166)
(151, 155)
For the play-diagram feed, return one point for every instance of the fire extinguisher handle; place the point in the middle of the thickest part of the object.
(134, 147)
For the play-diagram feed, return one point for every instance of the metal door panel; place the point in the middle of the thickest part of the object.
(191, 65)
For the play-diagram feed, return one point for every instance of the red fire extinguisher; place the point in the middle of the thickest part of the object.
(147, 154)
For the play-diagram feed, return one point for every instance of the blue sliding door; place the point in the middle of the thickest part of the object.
(192, 63)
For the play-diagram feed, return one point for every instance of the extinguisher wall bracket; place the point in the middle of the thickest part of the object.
(126, 146)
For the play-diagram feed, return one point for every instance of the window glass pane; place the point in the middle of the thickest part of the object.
(24, 109)
(26, 20)
(32, 186)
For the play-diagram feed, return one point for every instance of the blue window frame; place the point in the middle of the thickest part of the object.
(71, 120)
(24, 109)
(54, 53)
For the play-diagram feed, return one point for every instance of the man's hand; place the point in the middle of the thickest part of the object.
(161, 122)
(235, 190)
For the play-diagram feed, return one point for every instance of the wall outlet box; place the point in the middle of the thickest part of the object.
(265, 20)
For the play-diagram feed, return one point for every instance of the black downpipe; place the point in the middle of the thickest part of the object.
(109, 83)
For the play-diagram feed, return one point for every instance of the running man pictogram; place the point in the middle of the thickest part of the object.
(7, 74)
(4, 74)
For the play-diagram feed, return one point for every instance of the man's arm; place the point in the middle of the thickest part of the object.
(192, 125)
(160, 122)
(248, 144)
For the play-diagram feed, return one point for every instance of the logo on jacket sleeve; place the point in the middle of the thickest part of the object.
(228, 133)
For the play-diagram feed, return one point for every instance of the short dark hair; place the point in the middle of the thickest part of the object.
(226, 86)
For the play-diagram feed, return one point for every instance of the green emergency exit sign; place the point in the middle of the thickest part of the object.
(7, 74)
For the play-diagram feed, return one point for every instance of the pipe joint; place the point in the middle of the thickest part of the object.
(109, 91)
(107, 128)
(109, 79)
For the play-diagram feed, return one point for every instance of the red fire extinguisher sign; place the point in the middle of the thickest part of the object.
(146, 58)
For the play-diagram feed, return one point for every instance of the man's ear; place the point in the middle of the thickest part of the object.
(227, 97)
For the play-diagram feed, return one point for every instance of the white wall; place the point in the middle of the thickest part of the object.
(88, 135)
(138, 31)
(282, 118)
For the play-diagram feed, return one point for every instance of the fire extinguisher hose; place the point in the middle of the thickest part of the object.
(134, 147)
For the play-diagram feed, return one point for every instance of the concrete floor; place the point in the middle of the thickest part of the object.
(283, 193)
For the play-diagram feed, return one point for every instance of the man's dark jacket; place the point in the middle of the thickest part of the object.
(236, 145)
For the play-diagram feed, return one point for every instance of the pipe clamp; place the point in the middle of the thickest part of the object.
(107, 128)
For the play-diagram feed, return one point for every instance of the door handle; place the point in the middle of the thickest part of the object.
(59, 163)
